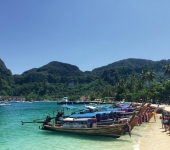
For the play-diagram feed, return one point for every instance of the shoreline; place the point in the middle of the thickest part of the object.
(154, 137)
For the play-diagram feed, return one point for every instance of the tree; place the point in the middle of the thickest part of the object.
(167, 70)
(148, 75)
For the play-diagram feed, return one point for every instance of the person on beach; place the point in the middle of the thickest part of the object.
(166, 121)
(154, 115)
(169, 121)
(162, 120)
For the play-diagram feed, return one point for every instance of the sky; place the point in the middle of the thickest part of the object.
(85, 33)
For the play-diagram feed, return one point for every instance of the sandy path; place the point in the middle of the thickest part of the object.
(155, 138)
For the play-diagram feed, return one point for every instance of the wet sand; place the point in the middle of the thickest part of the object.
(155, 138)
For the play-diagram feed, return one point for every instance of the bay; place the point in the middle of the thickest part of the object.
(14, 135)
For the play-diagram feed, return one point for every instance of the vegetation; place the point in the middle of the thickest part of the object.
(130, 79)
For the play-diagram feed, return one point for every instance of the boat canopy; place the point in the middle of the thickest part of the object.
(102, 112)
(86, 115)
(89, 115)
(68, 109)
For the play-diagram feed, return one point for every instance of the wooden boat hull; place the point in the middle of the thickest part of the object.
(110, 131)
(142, 109)
(146, 113)
(134, 122)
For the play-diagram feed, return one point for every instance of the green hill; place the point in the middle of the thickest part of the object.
(53, 72)
(136, 64)
(56, 80)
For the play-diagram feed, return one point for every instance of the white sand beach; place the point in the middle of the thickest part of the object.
(155, 138)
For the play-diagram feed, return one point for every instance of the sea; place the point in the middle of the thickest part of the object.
(15, 136)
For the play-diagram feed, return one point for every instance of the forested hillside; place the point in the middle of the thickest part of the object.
(6, 80)
(52, 81)
(125, 79)
(136, 64)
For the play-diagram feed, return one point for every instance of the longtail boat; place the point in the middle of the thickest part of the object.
(89, 126)
(114, 130)
(136, 118)
(86, 126)
(134, 122)
(142, 109)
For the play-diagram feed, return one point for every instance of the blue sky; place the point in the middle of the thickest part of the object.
(85, 33)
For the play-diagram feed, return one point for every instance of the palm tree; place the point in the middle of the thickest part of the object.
(148, 75)
(130, 84)
(144, 76)
(167, 70)
(151, 75)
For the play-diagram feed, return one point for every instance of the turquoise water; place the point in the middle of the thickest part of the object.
(13, 135)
